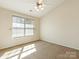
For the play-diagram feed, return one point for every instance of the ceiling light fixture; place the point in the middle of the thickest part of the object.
(39, 5)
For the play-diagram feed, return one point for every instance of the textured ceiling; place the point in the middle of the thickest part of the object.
(23, 6)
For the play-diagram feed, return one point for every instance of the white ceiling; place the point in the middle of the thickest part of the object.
(23, 6)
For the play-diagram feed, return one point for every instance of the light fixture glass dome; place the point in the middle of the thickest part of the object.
(39, 5)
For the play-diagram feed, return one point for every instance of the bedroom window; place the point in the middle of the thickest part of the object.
(22, 27)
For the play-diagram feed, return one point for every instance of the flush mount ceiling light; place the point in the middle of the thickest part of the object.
(39, 5)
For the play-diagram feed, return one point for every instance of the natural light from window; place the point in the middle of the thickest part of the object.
(19, 53)
(22, 27)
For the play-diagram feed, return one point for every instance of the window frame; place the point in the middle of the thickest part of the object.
(24, 35)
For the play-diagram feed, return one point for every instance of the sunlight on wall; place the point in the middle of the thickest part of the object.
(19, 52)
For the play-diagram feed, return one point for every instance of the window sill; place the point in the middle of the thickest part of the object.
(22, 36)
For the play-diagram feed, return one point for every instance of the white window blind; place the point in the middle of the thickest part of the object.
(22, 27)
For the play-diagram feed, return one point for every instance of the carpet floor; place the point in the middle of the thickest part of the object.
(39, 50)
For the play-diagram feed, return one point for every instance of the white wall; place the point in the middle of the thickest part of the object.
(6, 39)
(61, 25)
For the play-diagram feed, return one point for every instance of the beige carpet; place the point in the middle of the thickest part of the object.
(39, 50)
